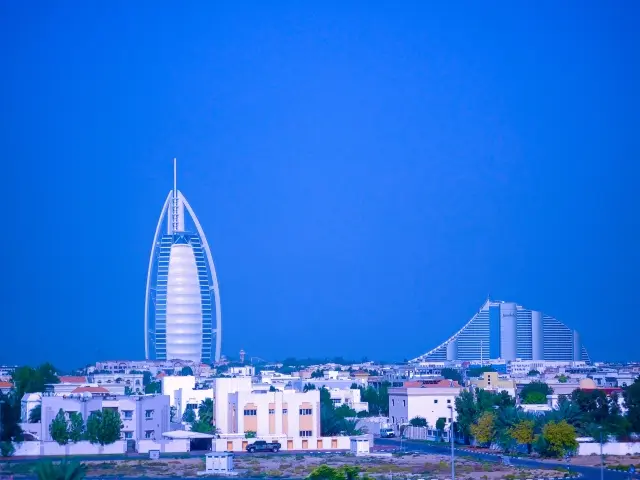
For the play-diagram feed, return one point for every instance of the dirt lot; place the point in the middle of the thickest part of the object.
(299, 466)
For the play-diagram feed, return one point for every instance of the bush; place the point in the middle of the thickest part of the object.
(7, 449)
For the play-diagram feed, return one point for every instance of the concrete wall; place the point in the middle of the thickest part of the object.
(173, 446)
(295, 443)
(80, 448)
(613, 448)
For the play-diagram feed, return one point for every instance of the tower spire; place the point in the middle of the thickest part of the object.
(174, 204)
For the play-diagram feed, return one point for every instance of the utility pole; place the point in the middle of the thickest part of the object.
(453, 465)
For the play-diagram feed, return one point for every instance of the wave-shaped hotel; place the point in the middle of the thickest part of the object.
(508, 331)
(182, 297)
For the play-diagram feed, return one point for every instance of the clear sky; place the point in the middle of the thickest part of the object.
(366, 172)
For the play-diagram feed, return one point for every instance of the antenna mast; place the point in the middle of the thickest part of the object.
(174, 203)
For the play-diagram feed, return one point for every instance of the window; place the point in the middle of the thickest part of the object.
(404, 403)
(305, 411)
(251, 412)
(393, 419)
(149, 434)
(272, 411)
(448, 400)
(435, 400)
(128, 435)
(305, 433)
(127, 414)
(393, 402)
(193, 406)
(148, 414)
(285, 411)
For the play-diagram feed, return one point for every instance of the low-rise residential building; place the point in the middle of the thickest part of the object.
(184, 392)
(134, 381)
(243, 371)
(143, 416)
(349, 397)
(281, 414)
(493, 382)
(68, 385)
(428, 402)
(5, 387)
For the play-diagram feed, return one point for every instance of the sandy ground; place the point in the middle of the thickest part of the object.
(299, 466)
(594, 460)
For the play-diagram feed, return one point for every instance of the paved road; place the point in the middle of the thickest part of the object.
(590, 473)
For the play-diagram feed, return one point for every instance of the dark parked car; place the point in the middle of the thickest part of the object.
(262, 446)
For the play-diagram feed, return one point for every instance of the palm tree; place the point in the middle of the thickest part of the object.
(205, 411)
(35, 414)
(61, 471)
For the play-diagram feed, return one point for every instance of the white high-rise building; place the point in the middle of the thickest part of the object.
(182, 294)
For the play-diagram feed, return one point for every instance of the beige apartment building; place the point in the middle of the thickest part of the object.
(280, 414)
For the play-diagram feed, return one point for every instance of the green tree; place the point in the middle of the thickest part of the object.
(522, 433)
(173, 412)
(418, 422)
(345, 411)
(535, 393)
(325, 472)
(441, 423)
(104, 426)
(484, 429)
(146, 378)
(563, 378)
(370, 395)
(59, 428)
(35, 414)
(317, 374)
(475, 372)
(189, 415)
(631, 396)
(308, 386)
(76, 427)
(383, 398)
(128, 391)
(10, 429)
(467, 411)
(60, 471)
(33, 380)
(186, 371)
(354, 386)
(153, 387)
(560, 438)
(451, 374)
(533, 373)
(272, 388)
(205, 411)
(203, 427)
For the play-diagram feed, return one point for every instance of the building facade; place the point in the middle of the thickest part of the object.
(510, 331)
(182, 301)
(430, 403)
(143, 417)
(283, 414)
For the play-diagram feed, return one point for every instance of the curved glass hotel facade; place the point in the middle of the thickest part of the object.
(505, 330)
(182, 302)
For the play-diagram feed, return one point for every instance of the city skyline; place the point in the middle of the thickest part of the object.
(365, 175)
(182, 298)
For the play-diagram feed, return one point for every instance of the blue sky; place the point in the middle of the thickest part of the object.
(366, 173)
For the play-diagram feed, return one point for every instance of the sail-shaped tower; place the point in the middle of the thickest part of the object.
(182, 302)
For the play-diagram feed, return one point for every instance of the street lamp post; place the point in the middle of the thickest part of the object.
(601, 456)
(453, 465)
